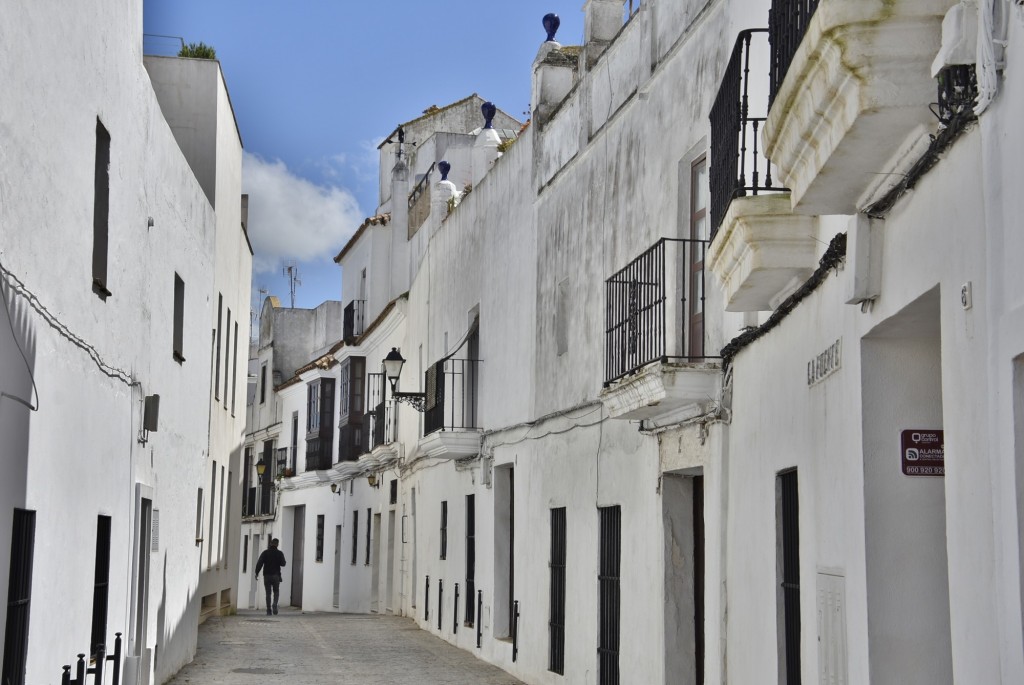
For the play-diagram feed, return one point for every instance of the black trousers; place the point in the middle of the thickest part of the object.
(272, 583)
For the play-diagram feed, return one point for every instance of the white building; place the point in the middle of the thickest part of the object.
(682, 409)
(122, 249)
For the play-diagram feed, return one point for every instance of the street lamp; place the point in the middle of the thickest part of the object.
(393, 364)
(261, 468)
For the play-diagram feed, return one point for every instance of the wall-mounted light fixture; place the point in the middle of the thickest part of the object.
(261, 468)
(335, 489)
(393, 364)
(372, 480)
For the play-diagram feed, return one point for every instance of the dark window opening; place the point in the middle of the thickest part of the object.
(609, 592)
(444, 530)
(369, 521)
(393, 498)
(556, 599)
(245, 553)
(234, 370)
(320, 537)
(789, 570)
(101, 585)
(355, 536)
(227, 358)
(19, 596)
(216, 344)
(263, 384)
(179, 319)
(101, 212)
(470, 559)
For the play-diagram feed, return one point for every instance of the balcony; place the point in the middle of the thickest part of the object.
(851, 84)
(259, 500)
(419, 203)
(759, 248)
(451, 427)
(656, 363)
(738, 166)
(383, 425)
(353, 322)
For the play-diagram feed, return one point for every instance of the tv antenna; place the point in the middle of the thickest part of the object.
(291, 270)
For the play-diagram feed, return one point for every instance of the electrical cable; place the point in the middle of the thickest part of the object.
(21, 289)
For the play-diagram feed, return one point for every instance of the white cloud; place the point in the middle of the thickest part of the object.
(293, 218)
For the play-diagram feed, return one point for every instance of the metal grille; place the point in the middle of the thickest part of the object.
(470, 557)
(19, 597)
(369, 529)
(608, 582)
(355, 536)
(451, 395)
(320, 537)
(637, 301)
(738, 167)
(556, 601)
(958, 93)
(787, 23)
(791, 574)
(444, 530)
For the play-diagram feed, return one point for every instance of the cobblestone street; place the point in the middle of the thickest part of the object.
(342, 649)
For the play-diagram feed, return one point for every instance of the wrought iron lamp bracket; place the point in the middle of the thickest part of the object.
(416, 400)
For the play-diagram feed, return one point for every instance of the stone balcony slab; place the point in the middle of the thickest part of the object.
(761, 250)
(663, 392)
(448, 444)
(858, 85)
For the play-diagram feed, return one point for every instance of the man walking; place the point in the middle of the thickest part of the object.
(273, 559)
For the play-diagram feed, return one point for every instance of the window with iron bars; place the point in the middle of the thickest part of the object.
(610, 554)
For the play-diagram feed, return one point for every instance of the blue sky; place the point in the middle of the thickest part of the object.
(317, 84)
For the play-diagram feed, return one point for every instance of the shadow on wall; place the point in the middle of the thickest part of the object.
(18, 398)
(176, 637)
(17, 404)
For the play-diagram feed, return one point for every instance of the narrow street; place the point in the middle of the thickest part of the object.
(342, 649)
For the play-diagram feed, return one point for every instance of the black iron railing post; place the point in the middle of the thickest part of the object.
(101, 658)
(426, 601)
(515, 630)
(455, 615)
(479, 623)
(440, 600)
(116, 658)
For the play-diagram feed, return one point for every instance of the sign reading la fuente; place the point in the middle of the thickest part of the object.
(923, 452)
(825, 364)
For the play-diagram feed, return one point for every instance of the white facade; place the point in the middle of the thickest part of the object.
(716, 464)
(87, 349)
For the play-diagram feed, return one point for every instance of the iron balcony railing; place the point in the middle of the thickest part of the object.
(352, 326)
(420, 188)
(787, 23)
(654, 308)
(451, 396)
(382, 422)
(738, 166)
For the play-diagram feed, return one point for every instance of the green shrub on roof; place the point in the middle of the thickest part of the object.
(198, 51)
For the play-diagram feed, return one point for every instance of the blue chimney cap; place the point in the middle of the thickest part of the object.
(551, 23)
(444, 167)
(489, 110)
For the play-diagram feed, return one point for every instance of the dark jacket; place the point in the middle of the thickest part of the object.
(273, 559)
